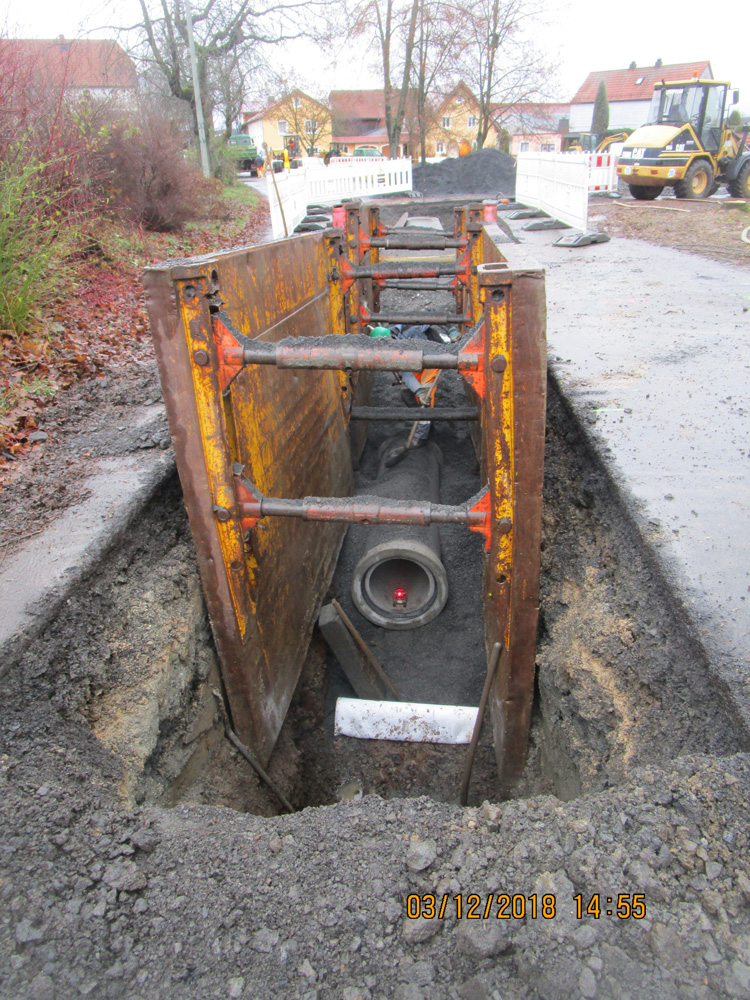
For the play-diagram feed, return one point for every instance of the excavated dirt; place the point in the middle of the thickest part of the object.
(487, 173)
(712, 227)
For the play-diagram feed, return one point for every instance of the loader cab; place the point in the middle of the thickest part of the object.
(579, 142)
(699, 103)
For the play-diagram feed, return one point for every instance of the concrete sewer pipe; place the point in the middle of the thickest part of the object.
(400, 582)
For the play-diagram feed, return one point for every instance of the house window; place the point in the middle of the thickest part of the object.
(639, 81)
(548, 147)
(524, 147)
(472, 121)
(439, 147)
(283, 126)
(297, 102)
(311, 126)
(446, 121)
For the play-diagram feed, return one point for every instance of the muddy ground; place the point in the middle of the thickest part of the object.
(132, 869)
(711, 227)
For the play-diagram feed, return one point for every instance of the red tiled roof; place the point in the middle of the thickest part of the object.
(378, 137)
(80, 63)
(529, 118)
(621, 83)
(358, 104)
(460, 90)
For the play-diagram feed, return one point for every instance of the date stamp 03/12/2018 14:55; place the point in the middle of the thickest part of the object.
(504, 906)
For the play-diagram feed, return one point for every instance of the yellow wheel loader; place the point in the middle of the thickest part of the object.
(687, 144)
(587, 142)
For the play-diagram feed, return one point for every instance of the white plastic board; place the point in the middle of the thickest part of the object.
(405, 721)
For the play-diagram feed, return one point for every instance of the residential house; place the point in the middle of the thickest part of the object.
(533, 127)
(297, 122)
(359, 120)
(629, 92)
(456, 120)
(90, 65)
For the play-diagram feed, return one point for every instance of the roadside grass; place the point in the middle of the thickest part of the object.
(133, 247)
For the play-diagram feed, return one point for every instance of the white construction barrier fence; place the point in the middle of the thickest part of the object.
(560, 183)
(316, 183)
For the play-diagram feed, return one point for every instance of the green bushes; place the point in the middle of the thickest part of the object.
(34, 244)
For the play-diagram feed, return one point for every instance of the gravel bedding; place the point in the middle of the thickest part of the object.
(487, 172)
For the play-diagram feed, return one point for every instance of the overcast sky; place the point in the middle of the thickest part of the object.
(581, 36)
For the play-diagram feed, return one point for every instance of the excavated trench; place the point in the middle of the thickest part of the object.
(620, 680)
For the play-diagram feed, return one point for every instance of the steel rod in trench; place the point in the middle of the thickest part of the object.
(407, 269)
(237, 742)
(360, 511)
(428, 413)
(497, 650)
(417, 243)
(419, 319)
(417, 285)
(340, 357)
(366, 651)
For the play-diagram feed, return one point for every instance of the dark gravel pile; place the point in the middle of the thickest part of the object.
(487, 172)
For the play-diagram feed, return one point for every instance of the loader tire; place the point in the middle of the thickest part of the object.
(643, 193)
(740, 186)
(697, 182)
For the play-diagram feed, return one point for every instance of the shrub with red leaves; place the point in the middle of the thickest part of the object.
(144, 174)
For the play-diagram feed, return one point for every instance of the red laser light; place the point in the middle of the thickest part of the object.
(400, 593)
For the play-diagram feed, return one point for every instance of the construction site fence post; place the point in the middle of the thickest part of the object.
(316, 183)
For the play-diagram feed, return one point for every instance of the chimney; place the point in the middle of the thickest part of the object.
(632, 65)
(657, 63)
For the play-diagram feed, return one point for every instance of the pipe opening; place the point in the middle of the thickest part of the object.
(400, 586)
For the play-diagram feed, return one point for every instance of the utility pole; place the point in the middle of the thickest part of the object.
(197, 92)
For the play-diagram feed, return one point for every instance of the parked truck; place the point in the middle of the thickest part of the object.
(687, 144)
(246, 154)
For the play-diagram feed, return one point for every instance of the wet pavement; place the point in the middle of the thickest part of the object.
(651, 347)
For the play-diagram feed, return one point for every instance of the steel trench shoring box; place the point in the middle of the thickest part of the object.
(262, 361)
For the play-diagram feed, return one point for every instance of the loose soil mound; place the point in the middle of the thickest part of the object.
(486, 172)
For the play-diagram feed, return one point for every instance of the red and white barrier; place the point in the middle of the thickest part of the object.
(602, 172)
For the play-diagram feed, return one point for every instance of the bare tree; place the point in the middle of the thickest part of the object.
(392, 26)
(227, 76)
(438, 29)
(227, 35)
(498, 62)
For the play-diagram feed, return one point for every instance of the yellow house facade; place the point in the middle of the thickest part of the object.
(297, 122)
(456, 120)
